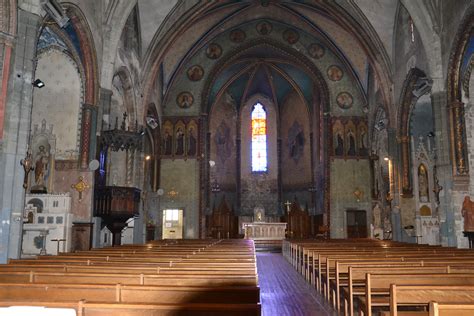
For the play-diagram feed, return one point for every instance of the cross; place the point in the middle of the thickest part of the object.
(27, 164)
(124, 120)
(80, 187)
(288, 204)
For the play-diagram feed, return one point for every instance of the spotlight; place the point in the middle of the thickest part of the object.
(386, 158)
(38, 83)
(430, 134)
(148, 157)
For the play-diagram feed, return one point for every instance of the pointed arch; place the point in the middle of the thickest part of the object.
(408, 100)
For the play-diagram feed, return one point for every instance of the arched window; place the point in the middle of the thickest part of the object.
(259, 139)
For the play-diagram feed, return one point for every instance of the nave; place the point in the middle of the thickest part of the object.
(284, 292)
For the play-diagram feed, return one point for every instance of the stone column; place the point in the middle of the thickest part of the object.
(444, 168)
(16, 133)
(87, 132)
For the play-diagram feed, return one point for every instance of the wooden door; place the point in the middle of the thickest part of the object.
(356, 224)
(173, 224)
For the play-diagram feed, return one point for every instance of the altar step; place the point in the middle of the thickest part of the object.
(268, 245)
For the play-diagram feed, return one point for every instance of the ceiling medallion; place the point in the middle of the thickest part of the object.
(264, 28)
(195, 73)
(237, 36)
(335, 73)
(344, 100)
(291, 36)
(213, 51)
(184, 100)
(316, 51)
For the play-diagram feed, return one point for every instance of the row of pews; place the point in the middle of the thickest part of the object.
(372, 277)
(185, 277)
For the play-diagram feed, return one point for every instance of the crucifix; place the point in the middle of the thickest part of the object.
(124, 119)
(288, 204)
(27, 164)
(290, 233)
(80, 187)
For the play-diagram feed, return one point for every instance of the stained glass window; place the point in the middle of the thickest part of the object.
(259, 139)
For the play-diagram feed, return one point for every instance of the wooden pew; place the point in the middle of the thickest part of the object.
(357, 276)
(129, 293)
(84, 308)
(199, 278)
(128, 279)
(451, 309)
(422, 295)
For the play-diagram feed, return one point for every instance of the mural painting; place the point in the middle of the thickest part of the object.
(335, 73)
(344, 100)
(237, 36)
(296, 141)
(184, 100)
(223, 141)
(291, 36)
(214, 51)
(264, 28)
(316, 51)
(195, 73)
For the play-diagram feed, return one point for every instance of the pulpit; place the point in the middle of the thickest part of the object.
(115, 205)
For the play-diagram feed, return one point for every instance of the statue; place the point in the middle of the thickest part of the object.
(377, 212)
(423, 186)
(41, 170)
(468, 214)
(27, 164)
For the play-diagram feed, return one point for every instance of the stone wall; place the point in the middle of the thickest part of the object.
(346, 177)
(181, 176)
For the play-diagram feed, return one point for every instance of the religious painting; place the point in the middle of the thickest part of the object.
(184, 100)
(344, 100)
(338, 138)
(296, 141)
(264, 28)
(423, 186)
(335, 73)
(316, 51)
(167, 141)
(350, 131)
(191, 136)
(291, 36)
(237, 36)
(213, 51)
(180, 138)
(195, 73)
(223, 141)
(362, 137)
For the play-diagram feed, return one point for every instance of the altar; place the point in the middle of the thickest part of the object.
(261, 230)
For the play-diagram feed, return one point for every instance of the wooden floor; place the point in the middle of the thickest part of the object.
(284, 292)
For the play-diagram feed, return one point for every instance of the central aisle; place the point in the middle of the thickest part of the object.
(284, 292)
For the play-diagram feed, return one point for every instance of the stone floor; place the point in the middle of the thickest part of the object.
(284, 292)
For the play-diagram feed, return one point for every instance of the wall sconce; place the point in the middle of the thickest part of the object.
(172, 193)
(358, 194)
(38, 83)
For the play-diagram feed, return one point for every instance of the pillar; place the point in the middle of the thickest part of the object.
(15, 135)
